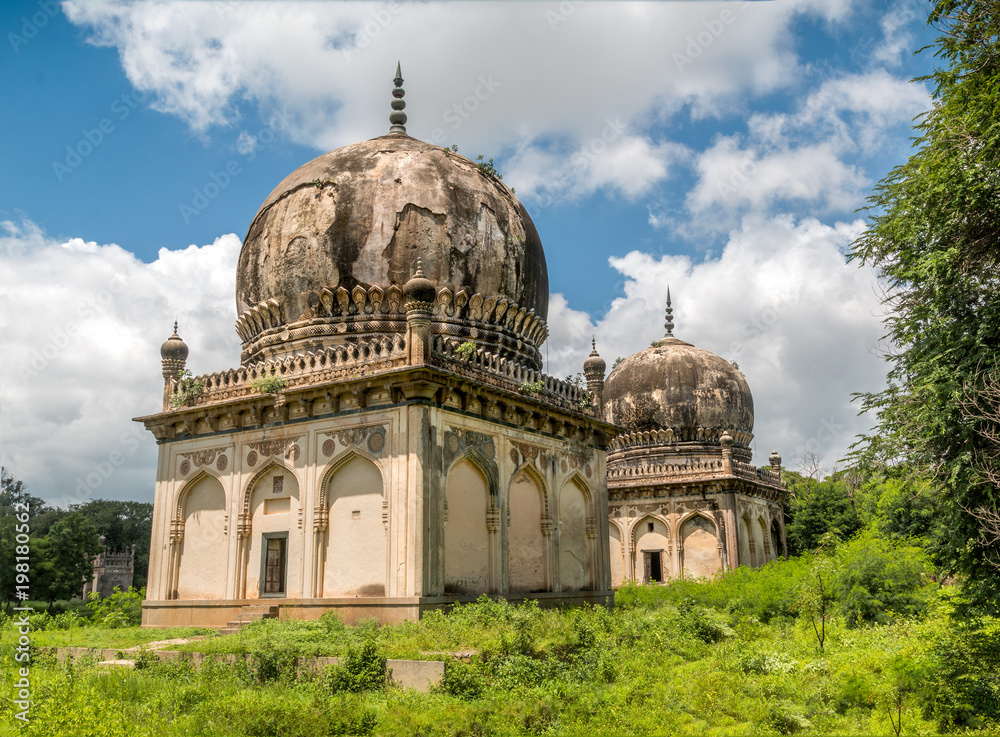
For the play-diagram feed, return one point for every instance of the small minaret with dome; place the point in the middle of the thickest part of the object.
(684, 498)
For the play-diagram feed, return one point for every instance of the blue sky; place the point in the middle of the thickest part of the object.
(722, 147)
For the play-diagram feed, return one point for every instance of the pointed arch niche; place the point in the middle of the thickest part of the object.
(201, 568)
(747, 545)
(652, 550)
(526, 544)
(271, 504)
(574, 551)
(466, 538)
(354, 553)
(618, 568)
(699, 539)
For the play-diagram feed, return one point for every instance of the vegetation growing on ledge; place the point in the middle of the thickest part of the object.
(530, 388)
(268, 384)
(466, 350)
(188, 390)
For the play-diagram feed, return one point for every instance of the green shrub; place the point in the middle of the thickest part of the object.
(878, 579)
(463, 680)
(121, 609)
(363, 669)
(273, 662)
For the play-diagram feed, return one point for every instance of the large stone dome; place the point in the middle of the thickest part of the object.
(332, 245)
(692, 393)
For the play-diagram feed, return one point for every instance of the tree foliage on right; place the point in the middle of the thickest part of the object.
(934, 239)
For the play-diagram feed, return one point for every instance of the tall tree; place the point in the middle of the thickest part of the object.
(63, 559)
(934, 238)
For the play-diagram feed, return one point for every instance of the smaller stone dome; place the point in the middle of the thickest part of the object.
(692, 393)
(594, 364)
(174, 349)
(674, 385)
(419, 288)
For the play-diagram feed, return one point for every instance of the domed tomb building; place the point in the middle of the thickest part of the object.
(388, 443)
(684, 498)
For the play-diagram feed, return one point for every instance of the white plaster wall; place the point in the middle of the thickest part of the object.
(356, 540)
(266, 523)
(526, 556)
(466, 541)
(701, 547)
(574, 565)
(202, 572)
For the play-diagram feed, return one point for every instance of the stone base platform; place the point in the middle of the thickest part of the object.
(386, 610)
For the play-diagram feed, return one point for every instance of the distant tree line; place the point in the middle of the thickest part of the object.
(64, 541)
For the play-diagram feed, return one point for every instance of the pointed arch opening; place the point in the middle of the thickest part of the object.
(466, 537)
(272, 556)
(355, 549)
(619, 570)
(202, 563)
(575, 565)
(652, 549)
(701, 556)
(526, 547)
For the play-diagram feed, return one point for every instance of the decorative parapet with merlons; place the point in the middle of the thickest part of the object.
(335, 313)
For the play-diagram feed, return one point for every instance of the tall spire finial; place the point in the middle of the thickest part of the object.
(593, 342)
(397, 117)
(175, 327)
(419, 273)
(669, 324)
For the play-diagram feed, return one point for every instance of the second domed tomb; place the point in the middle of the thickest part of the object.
(684, 499)
(388, 443)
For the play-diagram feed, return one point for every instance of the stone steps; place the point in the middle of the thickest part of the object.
(249, 614)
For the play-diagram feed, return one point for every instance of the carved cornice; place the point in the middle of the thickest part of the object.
(396, 387)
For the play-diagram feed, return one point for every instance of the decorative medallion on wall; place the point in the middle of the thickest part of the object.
(371, 437)
(278, 446)
(203, 458)
(252, 458)
(457, 441)
(530, 453)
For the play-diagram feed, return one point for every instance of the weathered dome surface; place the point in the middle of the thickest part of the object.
(361, 215)
(672, 385)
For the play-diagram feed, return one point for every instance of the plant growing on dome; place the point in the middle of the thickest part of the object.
(268, 384)
(466, 350)
(189, 388)
(487, 168)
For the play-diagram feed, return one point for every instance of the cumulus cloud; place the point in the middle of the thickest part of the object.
(780, 300)
(804, 157)
(82, 325)
(327, 66)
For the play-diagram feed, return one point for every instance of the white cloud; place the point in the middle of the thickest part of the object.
(81, 332)
(780, 300)
(805, 157)
(502, 76)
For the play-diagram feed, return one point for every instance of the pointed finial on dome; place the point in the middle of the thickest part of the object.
(669, 324)
(175, 327)
(593, 344)
(420, 267)
(397, 117)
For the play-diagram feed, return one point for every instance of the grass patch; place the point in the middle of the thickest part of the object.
(673, 660)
